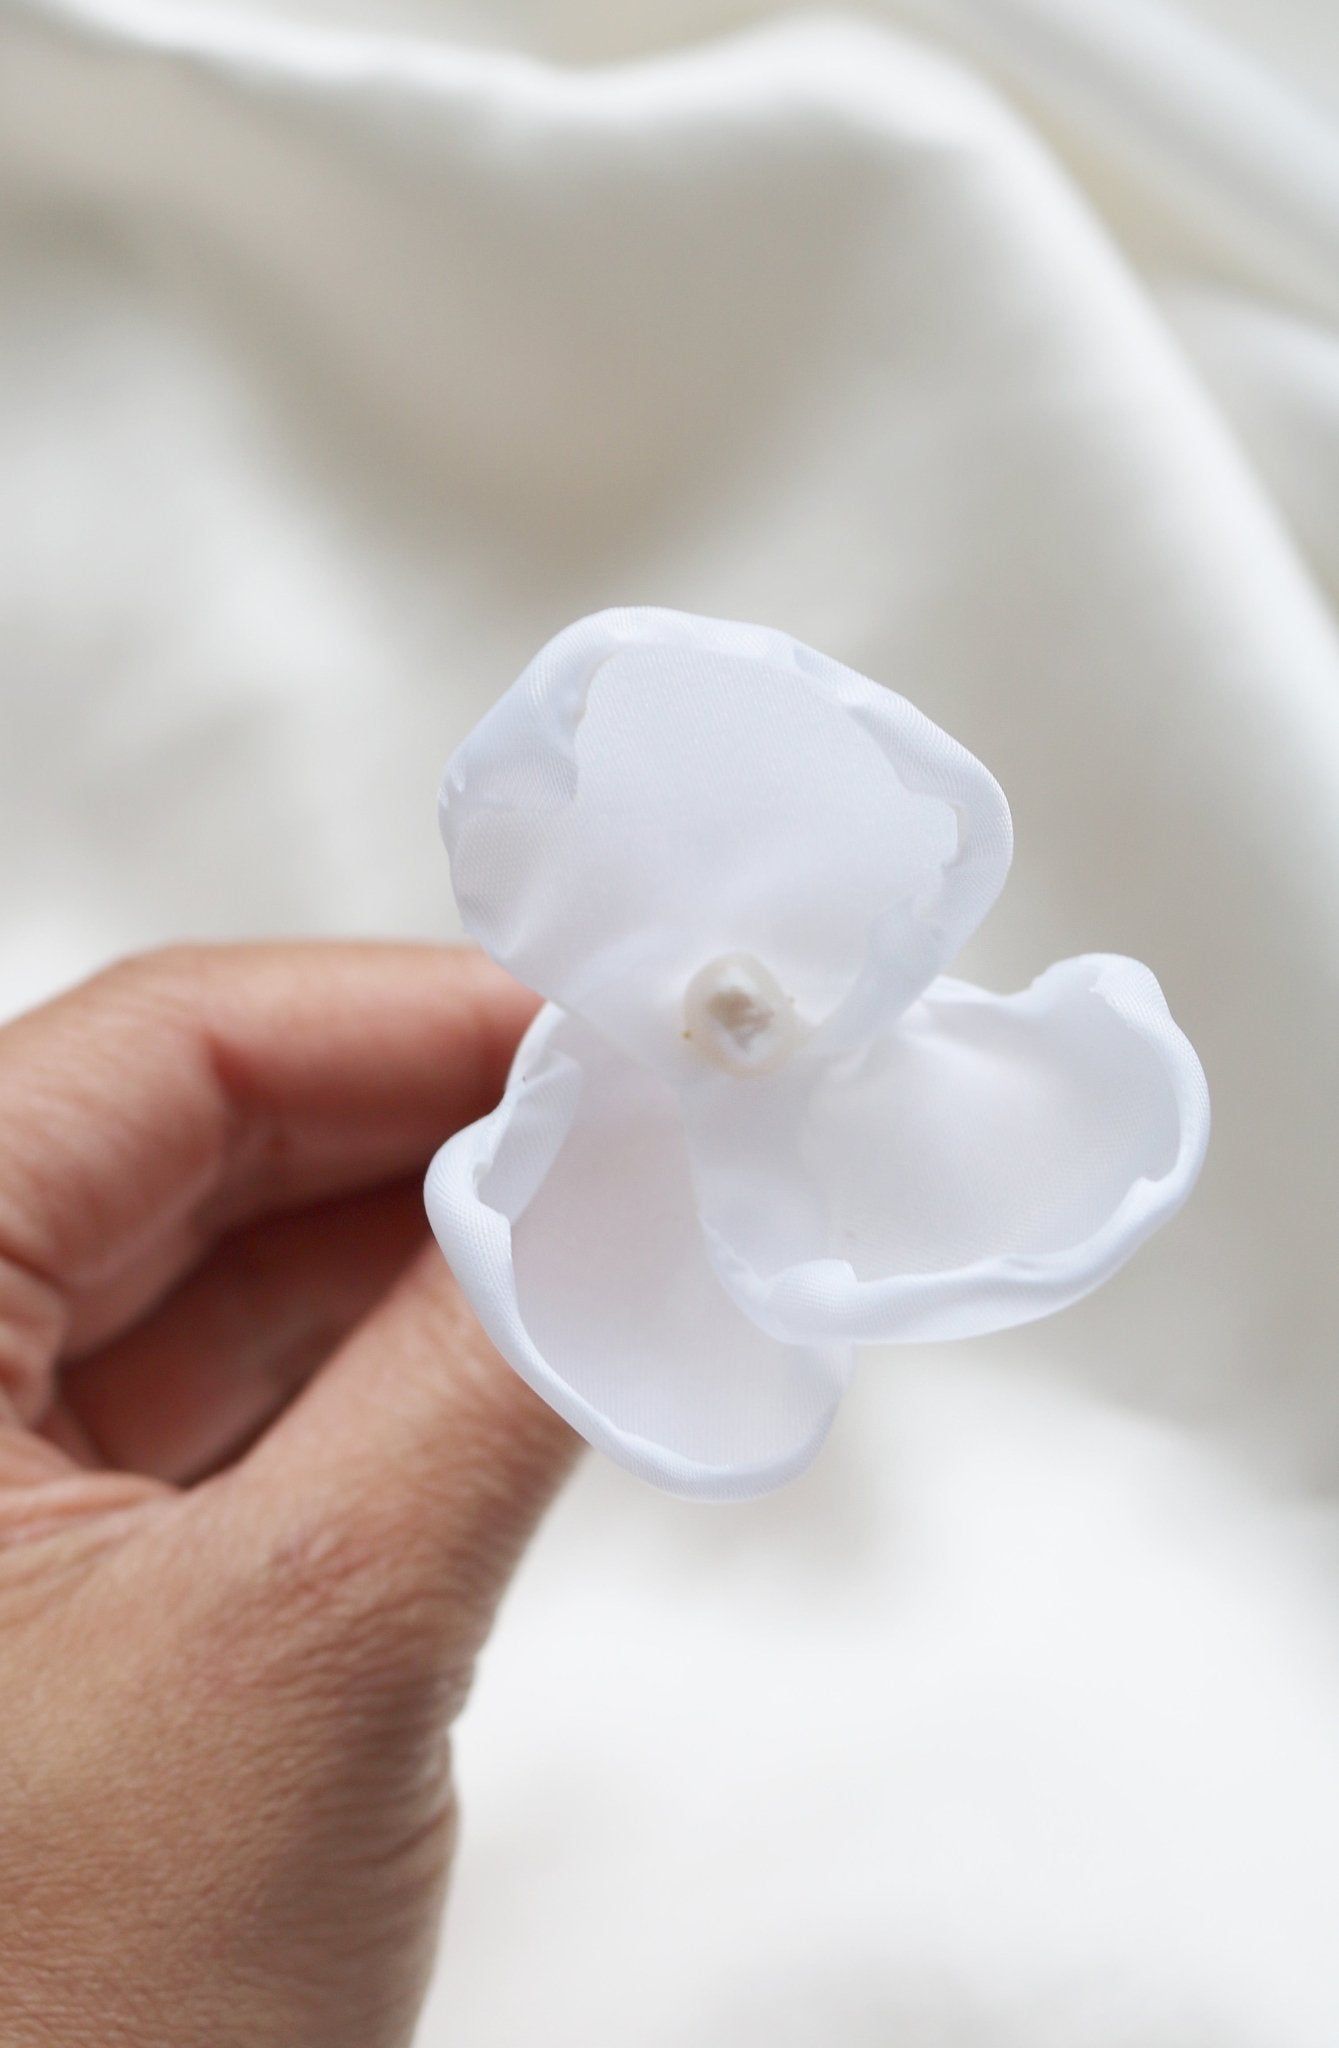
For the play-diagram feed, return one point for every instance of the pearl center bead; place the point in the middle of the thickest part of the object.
(738, 1017)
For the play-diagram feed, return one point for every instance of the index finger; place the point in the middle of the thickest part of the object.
(147, 1111)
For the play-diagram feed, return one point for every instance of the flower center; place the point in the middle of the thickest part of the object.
(739, 1018)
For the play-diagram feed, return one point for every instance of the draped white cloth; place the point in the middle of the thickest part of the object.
(346, 353)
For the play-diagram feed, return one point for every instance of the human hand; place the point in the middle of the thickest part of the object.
(262, 1483)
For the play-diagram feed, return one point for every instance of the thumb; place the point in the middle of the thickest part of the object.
(416, 1455)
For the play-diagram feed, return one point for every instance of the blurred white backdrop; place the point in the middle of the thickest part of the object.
(347, 351)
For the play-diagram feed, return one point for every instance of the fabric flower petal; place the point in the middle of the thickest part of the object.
(569, 1219)
(984, 1161)
(658, 791)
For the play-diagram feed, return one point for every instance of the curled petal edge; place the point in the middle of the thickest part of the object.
(476, 1235)
(521, 760)
(823, 1299)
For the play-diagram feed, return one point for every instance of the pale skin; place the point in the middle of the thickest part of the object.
(262, 1484)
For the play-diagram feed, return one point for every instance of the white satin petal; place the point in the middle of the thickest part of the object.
(985, 1161)
(568, 1218)
(657, 791)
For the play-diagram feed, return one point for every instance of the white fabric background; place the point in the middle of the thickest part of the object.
(345, 354)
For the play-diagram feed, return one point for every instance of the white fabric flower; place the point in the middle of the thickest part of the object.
(755, 1124)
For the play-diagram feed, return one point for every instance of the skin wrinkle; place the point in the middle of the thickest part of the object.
(145, 1052)
(146, 983)
(131, 1003)
(250, 1146)
(34, 1321)
(27, 1460)
(53, 1506)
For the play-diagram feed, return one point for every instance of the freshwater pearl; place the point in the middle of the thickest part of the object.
(738, 1017)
